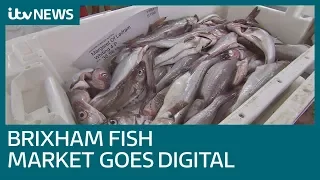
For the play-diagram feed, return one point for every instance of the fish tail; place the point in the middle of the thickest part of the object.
(253, 14)
(197, 17)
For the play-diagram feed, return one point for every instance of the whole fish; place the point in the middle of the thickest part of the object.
(133, 88)
(290, 52)
(177, 27)
(175, 50)
(196, 107)
(84, 112)
(202, 44)
(173, 96)
(100, 79)
(187, 95)
(153, 106)
(107, 97)
(242, 71)
(128, 118)
(217, 79)
(257, 79)
(177, 70)
(195, 80)
(259, 37)
(207, 115)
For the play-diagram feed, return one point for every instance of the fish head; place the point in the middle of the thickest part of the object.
(139, 74)
(101, 79)
(86, 114)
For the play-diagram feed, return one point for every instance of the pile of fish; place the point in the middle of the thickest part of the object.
(183, 71)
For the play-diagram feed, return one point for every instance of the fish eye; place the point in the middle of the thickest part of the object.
(230, 53)
(170, 115)
(113, 122)
(83, 115)
(140, 72)
(104, 75)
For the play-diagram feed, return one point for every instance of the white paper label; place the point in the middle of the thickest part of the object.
(107, 46)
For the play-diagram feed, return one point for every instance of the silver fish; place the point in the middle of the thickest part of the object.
(85, 113)
(175, 50)
(187, 52)
(122, 72)
(177, 70)
(133, 88)
(259, 37)
(187, 94)
(176, 28)
(290, 52)
(153, 106)
(217, 79)
(207, 115)
(195, 80)
(160, 72)
(257, 79)
(128, 118)
(173, 96)
(123, 54)
(228, 41)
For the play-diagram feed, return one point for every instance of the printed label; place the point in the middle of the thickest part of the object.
(110, 44)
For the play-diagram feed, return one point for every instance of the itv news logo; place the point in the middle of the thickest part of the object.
(43, 16)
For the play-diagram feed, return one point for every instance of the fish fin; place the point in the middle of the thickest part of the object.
(253, 14)
(197, 17)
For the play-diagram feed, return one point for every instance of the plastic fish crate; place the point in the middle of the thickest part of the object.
(50, 54)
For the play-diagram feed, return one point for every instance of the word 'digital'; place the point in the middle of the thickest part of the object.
(40, 14)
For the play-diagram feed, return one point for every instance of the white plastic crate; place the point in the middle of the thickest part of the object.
(58, 47)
